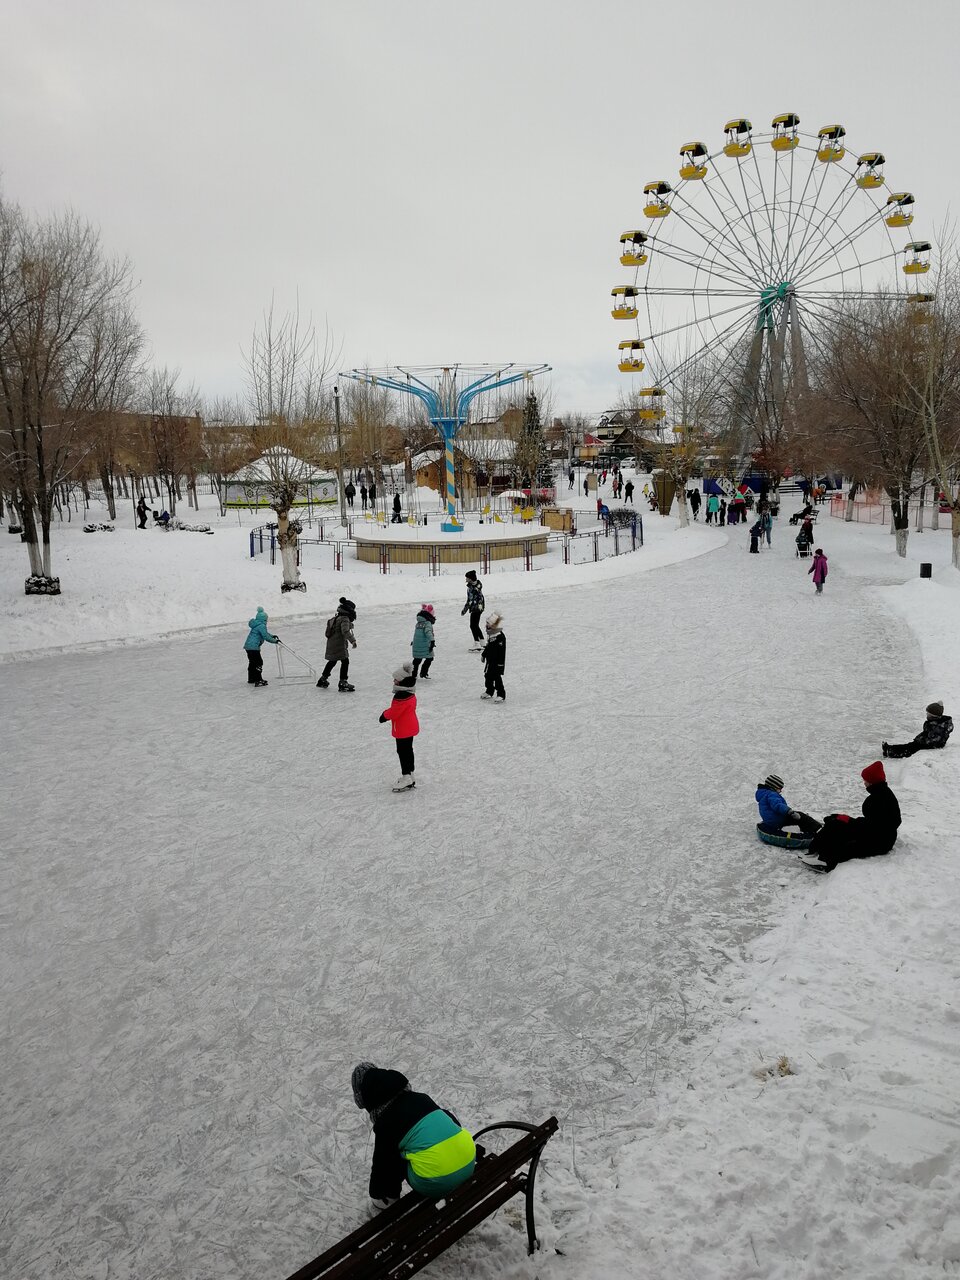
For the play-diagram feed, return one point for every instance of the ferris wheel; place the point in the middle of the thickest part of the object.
(746, 260)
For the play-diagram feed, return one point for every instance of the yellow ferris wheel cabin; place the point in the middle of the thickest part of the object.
(785, 135)
(632, 252)
(655, 410)
(630, 360)
(657, 192)
(898, 209)
(624, 302)
(919, 308)
(918, 258)
(738, 142)
(870, 170)
(830, 146)
(692, 156)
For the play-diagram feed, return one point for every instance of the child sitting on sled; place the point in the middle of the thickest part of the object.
(775, 813)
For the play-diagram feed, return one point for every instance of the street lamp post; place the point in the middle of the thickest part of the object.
(343, 497)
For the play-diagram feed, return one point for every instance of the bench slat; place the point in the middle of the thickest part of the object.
(455, 1231)
(387, 1239)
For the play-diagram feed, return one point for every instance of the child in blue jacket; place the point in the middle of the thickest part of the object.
(775, 813)
(258, 635)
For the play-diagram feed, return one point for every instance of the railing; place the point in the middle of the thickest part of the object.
(587, 547)
(879, 512)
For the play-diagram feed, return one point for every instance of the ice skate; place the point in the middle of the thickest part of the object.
(260, 684)
(323, 683)
(812, 861)
(406, 783)
(345, 687)
(486, 697)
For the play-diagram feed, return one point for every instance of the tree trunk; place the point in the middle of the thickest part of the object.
(287, 534)
(900, 521)
(682, 510)
(923, 496)
(108, 491)
(29, 536)
(955, 534)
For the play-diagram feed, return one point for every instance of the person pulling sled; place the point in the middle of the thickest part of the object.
(257, 636)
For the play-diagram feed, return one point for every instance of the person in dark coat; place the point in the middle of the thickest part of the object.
(349, 493)
(363, 497)
(414, 1138)
(695, 503)
(722, 513)
(494, 660)
(937, 728)
(628, 492)
(571, 478)
(373, 494)
(842, 838)
(395, 518)
(475, 606)
(586, 487)
(755, 538)
(142, 513)
(339, 633)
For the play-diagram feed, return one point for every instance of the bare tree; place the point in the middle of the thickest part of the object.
(57, 292)
(117, 340)
(287, 367)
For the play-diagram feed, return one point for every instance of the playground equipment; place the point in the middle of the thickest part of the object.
(447, 392)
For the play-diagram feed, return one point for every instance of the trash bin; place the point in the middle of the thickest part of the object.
(926, 571)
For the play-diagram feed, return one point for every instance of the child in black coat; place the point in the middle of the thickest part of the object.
(413, 1137)
(937, 728)
(494, 657)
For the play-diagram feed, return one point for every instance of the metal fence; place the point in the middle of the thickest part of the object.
(587, 547)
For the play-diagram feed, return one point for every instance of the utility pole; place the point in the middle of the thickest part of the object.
(343, 496)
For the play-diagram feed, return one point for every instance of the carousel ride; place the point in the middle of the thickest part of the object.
(447, 393)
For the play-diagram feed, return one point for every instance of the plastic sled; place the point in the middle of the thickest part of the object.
(785, 839)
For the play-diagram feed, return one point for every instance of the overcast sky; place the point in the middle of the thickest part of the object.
(439, 181)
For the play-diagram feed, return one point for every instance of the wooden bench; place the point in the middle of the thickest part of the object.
(402, 1239)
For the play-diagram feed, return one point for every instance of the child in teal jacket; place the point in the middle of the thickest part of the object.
(258, 635)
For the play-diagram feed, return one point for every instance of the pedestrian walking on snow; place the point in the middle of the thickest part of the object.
(258, 635)
(350, 493)
(570, 478)
(340, 637)
(413, 1138)
(475, 606)
(819, 570)
(395, 519)
(142, 513)
(766, 524)
(713, 506)
(373, 495)
(695, 503)
(402, 715)
(363, 497)
(586, 487)
(628, 492)
(423, 643)
(937, 728)
(494, 660)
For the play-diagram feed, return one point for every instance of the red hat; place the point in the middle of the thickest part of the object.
(873, 773)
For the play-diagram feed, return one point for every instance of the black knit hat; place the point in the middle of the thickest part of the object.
(935, 709)
(348, 607)
(471, 573)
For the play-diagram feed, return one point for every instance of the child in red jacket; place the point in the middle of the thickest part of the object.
(402, 712)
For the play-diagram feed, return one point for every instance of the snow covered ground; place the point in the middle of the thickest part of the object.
(213, 906)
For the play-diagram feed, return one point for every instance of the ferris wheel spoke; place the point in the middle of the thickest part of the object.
(764, 202)
(733, 266)
(793, 211)
(687, 258)
(858, 267)
(852, 236)
(657, 292)
(754, 227)
(697, 321)
(742, 323)
(745, 216)
(724, 231)
(846, 195)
